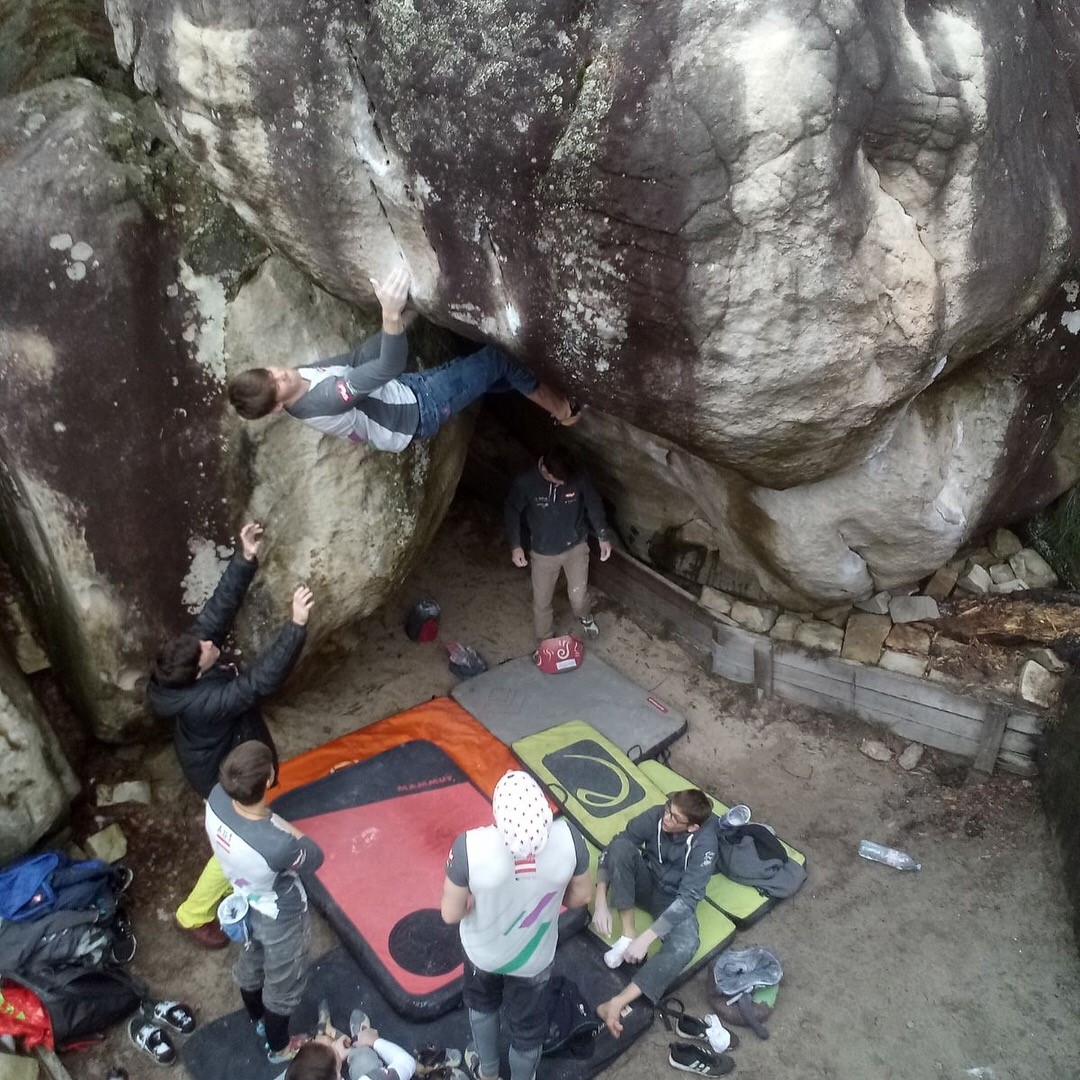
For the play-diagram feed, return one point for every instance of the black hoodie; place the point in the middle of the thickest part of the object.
(220, 709)
(558, 516)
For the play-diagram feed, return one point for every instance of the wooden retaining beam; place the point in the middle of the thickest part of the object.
(929, 712)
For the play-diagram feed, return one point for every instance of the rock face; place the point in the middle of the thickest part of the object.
(830, 295)
(36, 782)
(129, 292)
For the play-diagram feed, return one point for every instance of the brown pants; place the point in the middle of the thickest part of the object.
(545, 573)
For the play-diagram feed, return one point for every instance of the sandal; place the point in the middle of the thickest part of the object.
(175, 1014)
(151, 1040)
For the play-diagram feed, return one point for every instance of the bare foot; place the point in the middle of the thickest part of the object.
(610, 1013)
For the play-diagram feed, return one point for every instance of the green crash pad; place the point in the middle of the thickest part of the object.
(600, 789)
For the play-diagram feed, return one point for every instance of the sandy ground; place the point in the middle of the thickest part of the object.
(966, 969)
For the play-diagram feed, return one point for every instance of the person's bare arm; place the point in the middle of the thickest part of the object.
(455, 902)
(579, 891)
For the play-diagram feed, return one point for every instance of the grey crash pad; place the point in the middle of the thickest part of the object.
(516, 699)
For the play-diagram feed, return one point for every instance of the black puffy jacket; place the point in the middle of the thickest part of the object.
(220, 710)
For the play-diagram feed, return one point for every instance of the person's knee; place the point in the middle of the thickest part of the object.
(682, 943)
(621, 852)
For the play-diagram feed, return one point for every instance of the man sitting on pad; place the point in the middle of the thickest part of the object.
(661, 862)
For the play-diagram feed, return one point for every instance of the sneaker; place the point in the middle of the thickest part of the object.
(175, 1014)
(614, 956)
(151, 1040)
(123, 876)
(590, 629)
(124, 942)
(288, 1051)
(208, 936)
(690, 1027)
(696, 1059)
(358, 1021)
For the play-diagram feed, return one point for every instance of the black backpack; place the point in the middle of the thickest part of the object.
(82, 1002)
(572, 1024)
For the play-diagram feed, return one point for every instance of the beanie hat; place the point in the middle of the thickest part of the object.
(522, 814)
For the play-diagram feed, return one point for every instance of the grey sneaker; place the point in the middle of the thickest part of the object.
(590, 629)
(358, 1021)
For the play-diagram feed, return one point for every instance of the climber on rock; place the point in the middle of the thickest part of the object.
(365, 396)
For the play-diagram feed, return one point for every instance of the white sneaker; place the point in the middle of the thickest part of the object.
(614, 956)
(590, 629)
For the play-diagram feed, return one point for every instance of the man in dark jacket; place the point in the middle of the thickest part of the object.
(215, 707)
(662, 862)
(560, 506)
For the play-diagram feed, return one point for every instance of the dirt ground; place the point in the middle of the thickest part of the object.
(966, 969)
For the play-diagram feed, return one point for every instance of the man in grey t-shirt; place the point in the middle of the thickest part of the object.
(264, 856)
(366, 396)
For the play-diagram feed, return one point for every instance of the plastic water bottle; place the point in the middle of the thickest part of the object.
(900, 860)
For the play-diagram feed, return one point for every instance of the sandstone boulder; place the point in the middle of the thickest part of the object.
(825, 295)
(36, 781)
(130, 291)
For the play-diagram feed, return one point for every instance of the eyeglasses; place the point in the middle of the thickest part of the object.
(674, 818)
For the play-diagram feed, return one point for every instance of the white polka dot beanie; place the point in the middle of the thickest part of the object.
(522, 814)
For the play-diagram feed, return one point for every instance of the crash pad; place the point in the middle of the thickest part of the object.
(517, 699)
(229, 1046)
(385, 825)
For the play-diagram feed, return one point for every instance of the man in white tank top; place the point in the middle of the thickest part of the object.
(505, 884)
